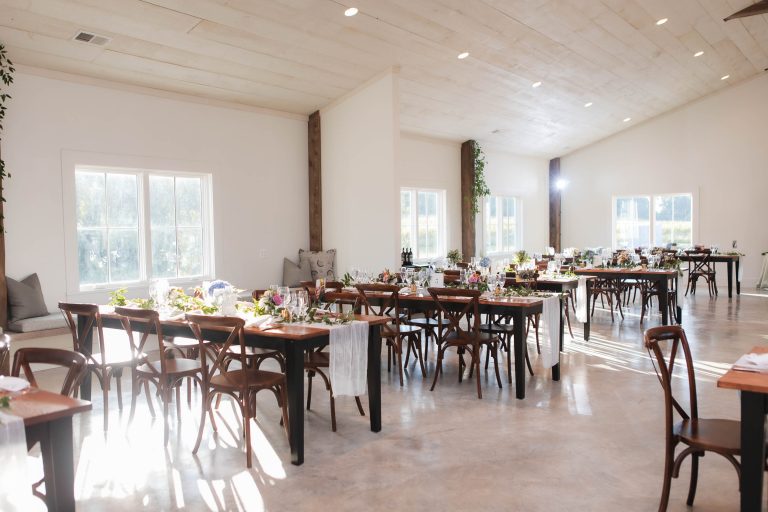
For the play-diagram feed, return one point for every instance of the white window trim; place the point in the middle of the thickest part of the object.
(73, 160)
(442, 221)
(518, 220)
(652, 198)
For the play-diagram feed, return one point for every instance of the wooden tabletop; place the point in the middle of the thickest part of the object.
(712, 257)
(40, 406)
(282, 331)
(484, 299)
(746, 381)
(626, 270)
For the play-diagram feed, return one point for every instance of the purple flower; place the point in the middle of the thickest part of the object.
(277, 300)
(217, 285)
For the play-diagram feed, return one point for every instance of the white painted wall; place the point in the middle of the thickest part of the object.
(258, 164)
(715, 148)
(435, 163)
(360, 144)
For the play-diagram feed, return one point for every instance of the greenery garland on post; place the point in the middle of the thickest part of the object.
(479, 187)
(6, 77)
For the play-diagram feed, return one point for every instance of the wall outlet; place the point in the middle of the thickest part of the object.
(262, 253)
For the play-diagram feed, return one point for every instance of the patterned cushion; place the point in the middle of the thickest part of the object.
(322, 263)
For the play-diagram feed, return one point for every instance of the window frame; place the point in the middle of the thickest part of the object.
(142, 167)
(652, 214)
(518, 225)
(441, 221)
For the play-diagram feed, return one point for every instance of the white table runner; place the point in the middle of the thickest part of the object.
(15, 486)
(581, 300)
(348, 358)
(550, 320)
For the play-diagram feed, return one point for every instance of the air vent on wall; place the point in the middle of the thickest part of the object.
(87, 37)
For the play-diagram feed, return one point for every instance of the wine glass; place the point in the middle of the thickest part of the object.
(302, 300)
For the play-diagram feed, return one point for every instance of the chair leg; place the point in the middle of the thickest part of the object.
(135, 390)
(359, 406)
(246, 410)
(536, 331)
(420, 356)
(438, 367)
(165, 394)
(667, 480)
(496, 364)
(309, 388)
(119, 389)
(333, 413)
(476, 364)
(206, 405)
(694, 479)
(568, 320)
(105, 395)
(149, 398)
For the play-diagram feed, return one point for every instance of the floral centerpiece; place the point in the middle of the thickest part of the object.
(387, 277)
(268, 304)
(453, 256)
(623, 259)
(222, 295)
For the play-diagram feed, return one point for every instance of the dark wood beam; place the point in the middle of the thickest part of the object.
(3, 286)
(315, 184)
(467, 185)
(554, 205)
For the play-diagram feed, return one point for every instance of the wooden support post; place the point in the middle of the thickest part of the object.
(467, 185)
(315, 184)
(554, 205)
(3, 286)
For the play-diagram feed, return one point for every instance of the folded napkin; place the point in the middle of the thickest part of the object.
(12, 384)
(258, 321)
(550, 316)
(15, 491)
(581, 300)
(348, 358)
(752, 363)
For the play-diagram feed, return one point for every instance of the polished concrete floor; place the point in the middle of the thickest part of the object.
(591, 442)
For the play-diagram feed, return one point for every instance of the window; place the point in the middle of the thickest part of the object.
(422, 222)
(502, 225)
(670, 221)
(136, 225)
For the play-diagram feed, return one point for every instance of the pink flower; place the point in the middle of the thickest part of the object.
(277, 299)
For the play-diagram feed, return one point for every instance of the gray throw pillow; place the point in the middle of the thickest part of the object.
(293, 274)
(25, 298)
(322, 263)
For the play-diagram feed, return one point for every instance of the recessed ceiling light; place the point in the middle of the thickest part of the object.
(662, 21)
(536, 84)
(627, 119)
(463, 55)
(351, 11)
(588, 104)
(699, 53)
(725, 77)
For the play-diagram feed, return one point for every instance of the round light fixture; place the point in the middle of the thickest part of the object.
(662, 21)
(561, 183)
(699, 53)
(536, 84)
(725, 77)
(588, 104)
(462, 55)
(350, 12)
(627, 119)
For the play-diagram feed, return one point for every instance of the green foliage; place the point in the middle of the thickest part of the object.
(347, 280)
(521, 257)
(479, 187)
(454, 256)
(6, 77)
(5, 402)
(117, 297)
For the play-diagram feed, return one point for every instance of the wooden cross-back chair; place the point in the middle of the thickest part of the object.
(702, 269)
(697, 434)
(240, 384)
(109, 361)
(318, 360)
(461, 309)
(75, 362)
(165, 374)
(383, 300)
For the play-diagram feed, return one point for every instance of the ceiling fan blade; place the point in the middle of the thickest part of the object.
(760, 7)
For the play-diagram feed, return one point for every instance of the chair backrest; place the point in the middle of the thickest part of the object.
(462, 264)
(75, 362)
(351, 299)
(674, 337)
(92, 319)
(381, 300)
(150, 320)
(456, 305)
(256, 294)
(234, 327)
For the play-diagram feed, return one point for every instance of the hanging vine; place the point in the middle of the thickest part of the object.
(479, 187)
(6, 77)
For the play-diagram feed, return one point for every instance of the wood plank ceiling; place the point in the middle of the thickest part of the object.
(299, 55)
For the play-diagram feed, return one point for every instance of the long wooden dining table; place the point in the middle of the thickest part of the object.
(518, 308)
(48, 420)
(661, 276)
(293, 340)
(567, 285)
(731, 261)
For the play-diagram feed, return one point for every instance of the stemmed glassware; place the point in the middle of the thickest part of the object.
(302, 302)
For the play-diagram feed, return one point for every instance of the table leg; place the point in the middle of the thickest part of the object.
(738, 281)
(294, 374)
(556, 368)
(663, 298)
(56, 447)
(753, 411)
(519, 341)
(730, 278)
(374, 377)
(678, 307)
(87, 342)
(588, 324)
